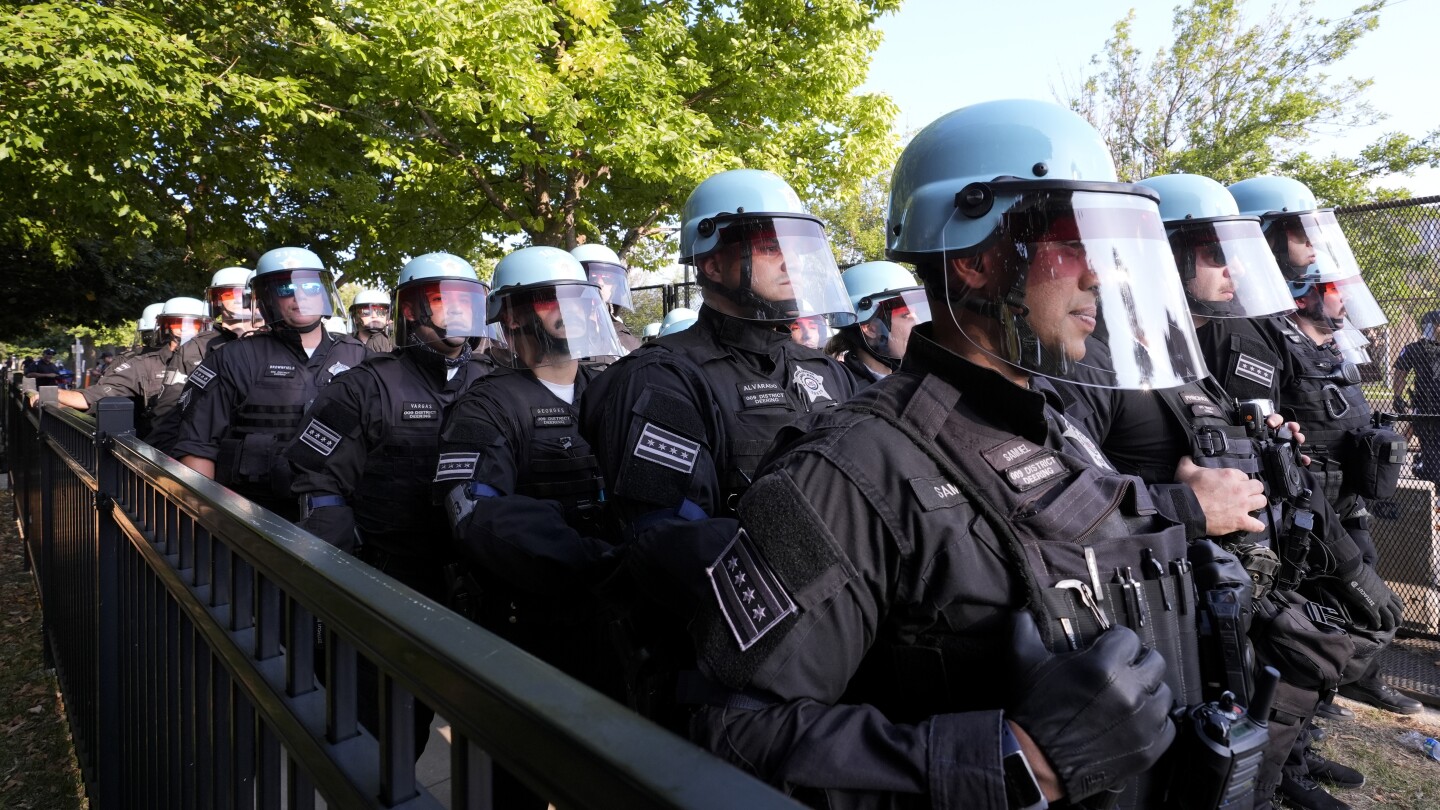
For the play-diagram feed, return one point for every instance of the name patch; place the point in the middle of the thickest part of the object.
(1205, 409)
(552, 417)
(761, 395)
(456, 466)
(1194, 398)
(320, 437)
(1254, 370)
(749, 593)
(1036, 472)
(1010, 453)
(274, 370)
(667, 449)
(202, 375)
(935, 493)
(419, 411)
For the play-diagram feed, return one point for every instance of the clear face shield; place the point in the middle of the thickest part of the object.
(775, 269)
(552, 324)
(888, 333)
(1351, 343)
(181, 327)
(440, 312)
(1228, 270)
(613, 281)
(231, 306)
(1312, 247)
(810, 331)
(1068, 271)
(296, 299)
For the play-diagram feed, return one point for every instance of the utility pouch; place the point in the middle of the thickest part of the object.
(1373, 466)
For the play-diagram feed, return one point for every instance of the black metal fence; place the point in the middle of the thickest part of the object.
(1397, 245)
(182, 623)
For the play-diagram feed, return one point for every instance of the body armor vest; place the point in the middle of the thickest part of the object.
(1082, 547)
(754, 406)
(1328, 408)
(282, 385)
(560, 465)
(393, 500)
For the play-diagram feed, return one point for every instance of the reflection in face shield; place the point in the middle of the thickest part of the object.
(443, 314)
(810, 331)
(299, 299)
(374, 317)
(1064, 266)
(181, 327)
(773, 269)
(552, 325)
(887, 334)
(612, 281)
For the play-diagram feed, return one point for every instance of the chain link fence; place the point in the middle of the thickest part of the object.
(1397, 245)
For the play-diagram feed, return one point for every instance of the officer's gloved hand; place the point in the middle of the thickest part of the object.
(1370, 601)
(526, 542)
(1101, 715)
(333, 524)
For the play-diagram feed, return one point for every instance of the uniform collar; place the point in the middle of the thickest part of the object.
(753, 336)
(985, 391)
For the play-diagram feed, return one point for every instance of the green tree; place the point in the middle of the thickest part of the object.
(1229, 99)
(855, 220)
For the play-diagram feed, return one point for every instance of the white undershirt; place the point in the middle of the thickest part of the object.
(564, 392)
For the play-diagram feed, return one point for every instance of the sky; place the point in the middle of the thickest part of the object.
(1033, 48)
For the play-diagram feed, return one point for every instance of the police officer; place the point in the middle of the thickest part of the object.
(652, 331)
(145, 327)
(605, 269)
(370, 312)
(243, 405)
(366, 450)
(911, 613)
(1227, 272)
(888, 304)
(1423, 358)
(521, 483)
(677, 320)
(140, 376)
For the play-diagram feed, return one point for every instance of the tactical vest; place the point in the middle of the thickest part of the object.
(392, 502)
(754, 406)
(1241, 357)
(1328, 409)
(561, 465)
(282, 386)
(1083, 548)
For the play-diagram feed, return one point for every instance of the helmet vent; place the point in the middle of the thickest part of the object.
(1040, 169)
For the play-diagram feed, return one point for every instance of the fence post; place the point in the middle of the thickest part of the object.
(45, 558)
(113, 416)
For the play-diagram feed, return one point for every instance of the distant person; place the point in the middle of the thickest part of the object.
(370, 314)
(43, 371)
(1423, 358)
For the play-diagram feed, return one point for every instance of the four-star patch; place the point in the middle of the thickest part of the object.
(750, 595)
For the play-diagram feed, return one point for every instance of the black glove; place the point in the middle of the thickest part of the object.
(1101, 715)
(1371, 603)
(526, 543)
(333, 524)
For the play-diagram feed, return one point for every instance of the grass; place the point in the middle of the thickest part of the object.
(1395, 776)
(37, 760)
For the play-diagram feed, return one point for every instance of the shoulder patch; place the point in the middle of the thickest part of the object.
(1254, 370)
(320, 438)
(660, 446)
(456, 466)
(751, 597)
(202, 375)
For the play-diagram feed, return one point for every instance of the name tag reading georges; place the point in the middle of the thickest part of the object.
(552, 417)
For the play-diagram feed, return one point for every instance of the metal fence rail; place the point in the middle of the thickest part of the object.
(182, 621)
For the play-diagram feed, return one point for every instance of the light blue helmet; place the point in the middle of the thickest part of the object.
(148, 315)
(678, 320)
(953, 163)
(295, 274)
(1208, 233)
(743, 230)
(549, 311)
(604, 267)
(1270, 197)
(440, 291)
(371, 297)
(1003, 201)
(871, 283)
(183, 318)
(652, 330)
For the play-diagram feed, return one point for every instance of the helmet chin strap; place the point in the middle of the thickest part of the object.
(546, 343)
(744, 297)
(1020, 340)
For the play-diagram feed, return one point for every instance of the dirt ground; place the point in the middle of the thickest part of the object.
(1395, 776)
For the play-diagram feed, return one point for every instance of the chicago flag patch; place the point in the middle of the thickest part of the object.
(750, 595)
(660, 446)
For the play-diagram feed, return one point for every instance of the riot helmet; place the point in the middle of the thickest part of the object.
(888, 304)
(440, 303)
(181, 319)
(549, 312)
(677, 320)
(145, 327)
(1225, 264)
(1312, 251)
(370, 311)
(606, 271)
(293, 291)
(1012, 213)
(758, 254)
(652, 331)
(230, 300)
